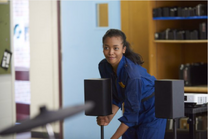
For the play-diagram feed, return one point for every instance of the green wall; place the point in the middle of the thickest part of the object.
(4, 33)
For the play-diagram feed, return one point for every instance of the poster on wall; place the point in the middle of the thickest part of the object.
(22, 92)
(21, 48)
(21, 34)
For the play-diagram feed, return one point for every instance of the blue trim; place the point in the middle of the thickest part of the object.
(180, 18)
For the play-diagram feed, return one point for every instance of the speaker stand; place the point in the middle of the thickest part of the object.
(174, 128)
(102, 132)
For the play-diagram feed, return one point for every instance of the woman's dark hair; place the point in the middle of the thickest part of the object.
(136, 58)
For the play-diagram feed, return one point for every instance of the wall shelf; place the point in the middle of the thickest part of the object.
(180, 18)
(180, 41)
(163, 57)
(196, 89)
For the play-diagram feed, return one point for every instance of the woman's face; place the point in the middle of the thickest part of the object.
(113, 50)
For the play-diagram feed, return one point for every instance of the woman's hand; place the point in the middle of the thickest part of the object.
(103, 120)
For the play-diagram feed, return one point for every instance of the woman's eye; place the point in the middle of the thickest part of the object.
(116, 48)
(106, 48)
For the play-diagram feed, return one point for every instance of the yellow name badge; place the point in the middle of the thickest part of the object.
(121, 84)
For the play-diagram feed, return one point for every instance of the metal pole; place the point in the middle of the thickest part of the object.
(102, 132)
(192, 126)
(175, 128)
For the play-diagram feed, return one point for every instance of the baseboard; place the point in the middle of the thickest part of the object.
(43, 135)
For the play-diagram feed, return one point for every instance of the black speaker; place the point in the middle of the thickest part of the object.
(98, 91)
(193, 74)
(169, 99)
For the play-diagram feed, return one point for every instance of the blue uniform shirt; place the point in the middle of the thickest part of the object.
(131, 84)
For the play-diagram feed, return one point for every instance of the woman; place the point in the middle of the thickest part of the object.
(133, 86)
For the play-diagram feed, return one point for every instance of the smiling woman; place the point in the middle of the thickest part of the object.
(131, 86)
(117, 40)
(113, 50)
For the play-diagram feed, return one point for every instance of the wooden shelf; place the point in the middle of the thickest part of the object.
(196, 89)
(180, 41)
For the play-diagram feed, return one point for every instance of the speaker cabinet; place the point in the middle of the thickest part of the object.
(98, 91)
(169, 99)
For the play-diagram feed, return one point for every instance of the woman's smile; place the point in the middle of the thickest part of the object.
(110, 58)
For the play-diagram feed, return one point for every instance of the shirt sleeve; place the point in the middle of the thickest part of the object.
(132, 103)
(117, 103)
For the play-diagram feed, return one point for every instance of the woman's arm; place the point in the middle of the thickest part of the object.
(120, 131)
(114, 111)
(131, 107)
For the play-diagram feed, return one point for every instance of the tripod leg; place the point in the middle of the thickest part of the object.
(102, 132)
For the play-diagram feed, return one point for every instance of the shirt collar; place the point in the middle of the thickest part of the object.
(120, 65)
